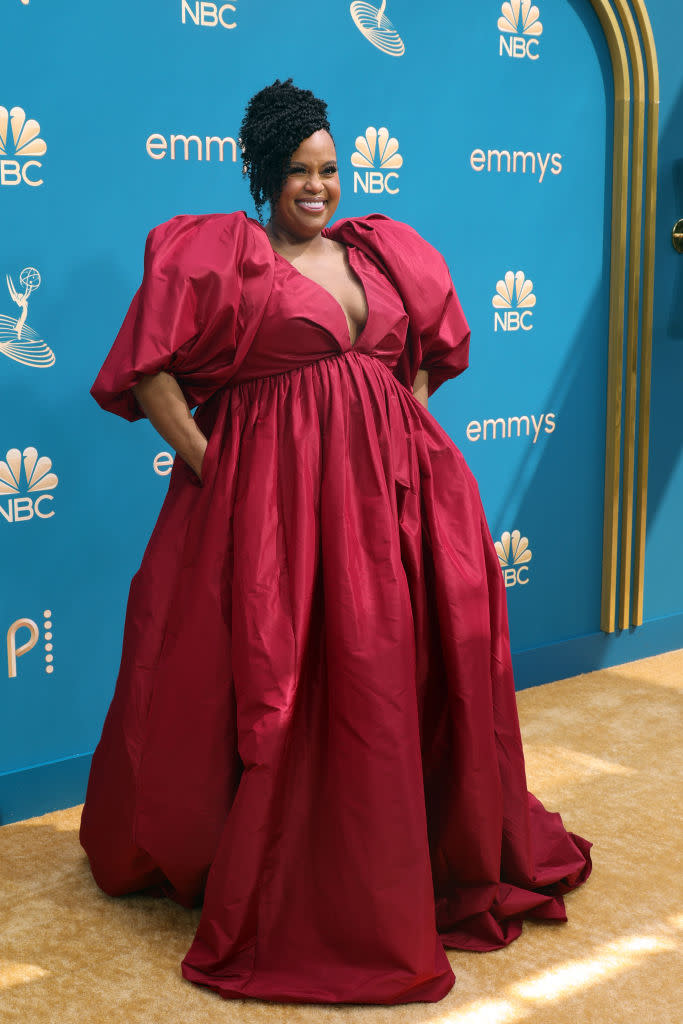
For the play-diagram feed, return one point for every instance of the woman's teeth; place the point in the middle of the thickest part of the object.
(315, 205)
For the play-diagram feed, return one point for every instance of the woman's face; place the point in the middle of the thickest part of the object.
(310, 193)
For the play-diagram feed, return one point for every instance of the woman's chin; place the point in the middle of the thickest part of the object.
(311, 221)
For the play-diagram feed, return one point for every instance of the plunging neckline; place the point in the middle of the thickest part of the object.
(321, 287)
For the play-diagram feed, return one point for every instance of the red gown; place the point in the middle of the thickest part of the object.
(314, 727)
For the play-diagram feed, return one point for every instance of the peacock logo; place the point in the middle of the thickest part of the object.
(20, 143)
(376, 27)
(520, 16)
(514, 555)
(23, 476)
(377, 160)
(376, 147)
(519, 26)
(513, 293)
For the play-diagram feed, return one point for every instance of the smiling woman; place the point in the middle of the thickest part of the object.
(314, 729)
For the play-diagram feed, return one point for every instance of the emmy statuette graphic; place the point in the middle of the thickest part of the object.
(18, 341)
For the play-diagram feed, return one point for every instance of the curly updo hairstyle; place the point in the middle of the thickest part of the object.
(276, 121)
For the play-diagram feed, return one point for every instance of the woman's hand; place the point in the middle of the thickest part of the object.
(420, 387)
(160, 398)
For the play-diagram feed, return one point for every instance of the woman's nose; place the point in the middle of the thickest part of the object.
(314, 183)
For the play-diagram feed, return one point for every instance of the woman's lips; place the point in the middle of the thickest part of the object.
(311, 205)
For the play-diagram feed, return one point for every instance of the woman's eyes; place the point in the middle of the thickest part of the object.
(330, 169)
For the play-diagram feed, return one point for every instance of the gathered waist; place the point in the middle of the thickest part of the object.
(302, 367)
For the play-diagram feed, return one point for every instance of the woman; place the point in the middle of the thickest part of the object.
(314, 727)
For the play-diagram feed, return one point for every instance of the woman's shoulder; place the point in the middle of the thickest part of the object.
(206, 237)
(222, 257)
(377, 222)
(396, 243)
(380, 229)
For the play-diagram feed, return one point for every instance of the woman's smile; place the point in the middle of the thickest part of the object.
(312, 205)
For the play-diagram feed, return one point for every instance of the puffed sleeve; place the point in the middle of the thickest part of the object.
(438, 334)
(188, 314)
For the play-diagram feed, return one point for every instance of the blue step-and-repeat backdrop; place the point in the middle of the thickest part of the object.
(484, 125)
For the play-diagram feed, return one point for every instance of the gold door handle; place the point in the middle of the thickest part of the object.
(677, 236)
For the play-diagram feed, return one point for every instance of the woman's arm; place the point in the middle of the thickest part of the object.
(420, 386)
(160, 398)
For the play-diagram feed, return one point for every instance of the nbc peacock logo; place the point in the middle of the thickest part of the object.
(24, 479)
(514, 555)
(20, 144)
(513, 301)
(18, 341)
(376, 27)
(376, 161)
(519, 28)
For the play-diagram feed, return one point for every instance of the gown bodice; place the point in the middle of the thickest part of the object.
(303, 322)
(213, 289)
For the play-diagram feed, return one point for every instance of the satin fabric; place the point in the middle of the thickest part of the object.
(314, 728)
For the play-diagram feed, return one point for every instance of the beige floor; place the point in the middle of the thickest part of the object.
(604, 749)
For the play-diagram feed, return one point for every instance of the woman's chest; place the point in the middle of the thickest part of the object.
(303, 320)
(337, 277)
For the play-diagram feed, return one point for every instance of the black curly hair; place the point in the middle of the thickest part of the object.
(276, 121)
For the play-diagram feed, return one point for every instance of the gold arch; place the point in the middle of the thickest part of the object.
(626, 393)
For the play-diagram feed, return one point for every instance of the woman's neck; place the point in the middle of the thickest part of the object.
(285, 242)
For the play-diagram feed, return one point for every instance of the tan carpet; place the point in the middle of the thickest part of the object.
(603, 749)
